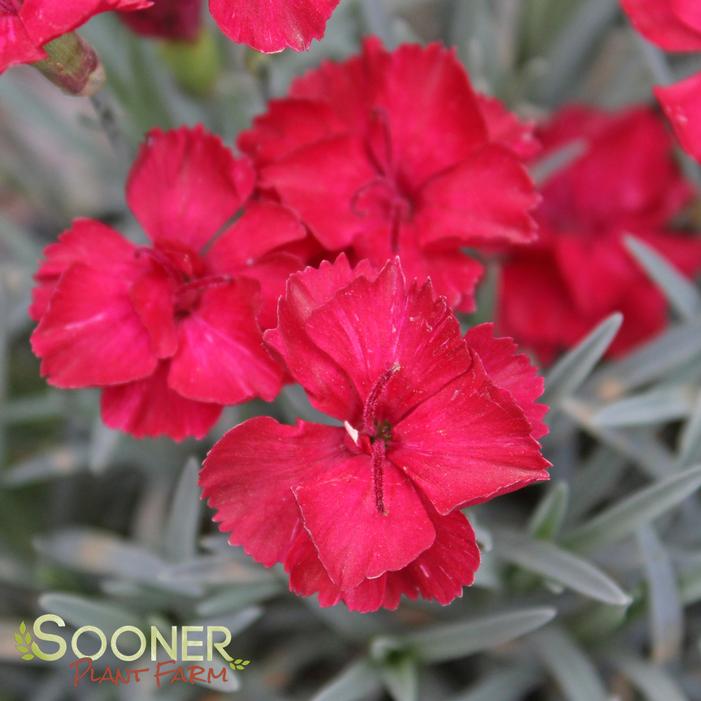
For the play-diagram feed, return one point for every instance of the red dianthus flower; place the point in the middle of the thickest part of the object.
(626, 181)
(433, 422)
(675, 25)
(26, 26)
(170, 331)
(390, 153)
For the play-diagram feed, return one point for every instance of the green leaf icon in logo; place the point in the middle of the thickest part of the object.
(23, 642)
(239, 664)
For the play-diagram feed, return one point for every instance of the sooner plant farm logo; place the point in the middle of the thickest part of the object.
(174, 656)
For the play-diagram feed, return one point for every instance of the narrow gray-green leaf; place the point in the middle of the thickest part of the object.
(55, 464)
(557, 161)
(677, 346)
(378, 20)
(356, 683)
(623, 518)
(79, 611)
(100, 553)
(665, 609)
(401, 679)
(180, 536)
(690, 437)
(455, 640)
(220, 569)
(550, 513)
(575, 673)
(636, 444)
(682, 295)
(502, 684)
(594, 480)
(237, 597)
(597, 622)
(549, 560)
(654, 683)
(103, 443)
(573, 44)
(236, 622)
(648, 408)
(574, 368)
(690, 586)
(34, 407)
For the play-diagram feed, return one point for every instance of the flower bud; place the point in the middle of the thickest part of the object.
(73, 65)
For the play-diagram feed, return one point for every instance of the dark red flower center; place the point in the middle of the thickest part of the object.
(387, 196)
(188, 272)
(375, 434)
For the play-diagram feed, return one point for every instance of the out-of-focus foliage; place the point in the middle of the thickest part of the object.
(590, 585)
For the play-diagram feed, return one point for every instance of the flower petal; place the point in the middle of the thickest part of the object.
(628, 154)
(376, 325)
(689, 11)
(90, 334)
(185, 185)
(221, 357)
(356, 541)
(288, 125)
(511, 371)
(16, 45)
(321, 182)
(273, 25)
(259, 246)
(329, 388)
(349, 88)
(467, 203)
(307, 574)
(467, 444)
(507, 130)
(87, 241)
(150, 408)
(44, 20)
(153, 297)
(453, 273)
(249, 475)
(263, 228)
(682, 104)
(430, 85)
(439, 573)
(534, 281)
(663, 22)
(271, 274)
(681, 250)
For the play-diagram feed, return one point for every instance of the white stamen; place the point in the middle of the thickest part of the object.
(353, 433)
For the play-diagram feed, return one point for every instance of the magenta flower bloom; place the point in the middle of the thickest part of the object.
(391, 153)
(432, 423)
(171, 331)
